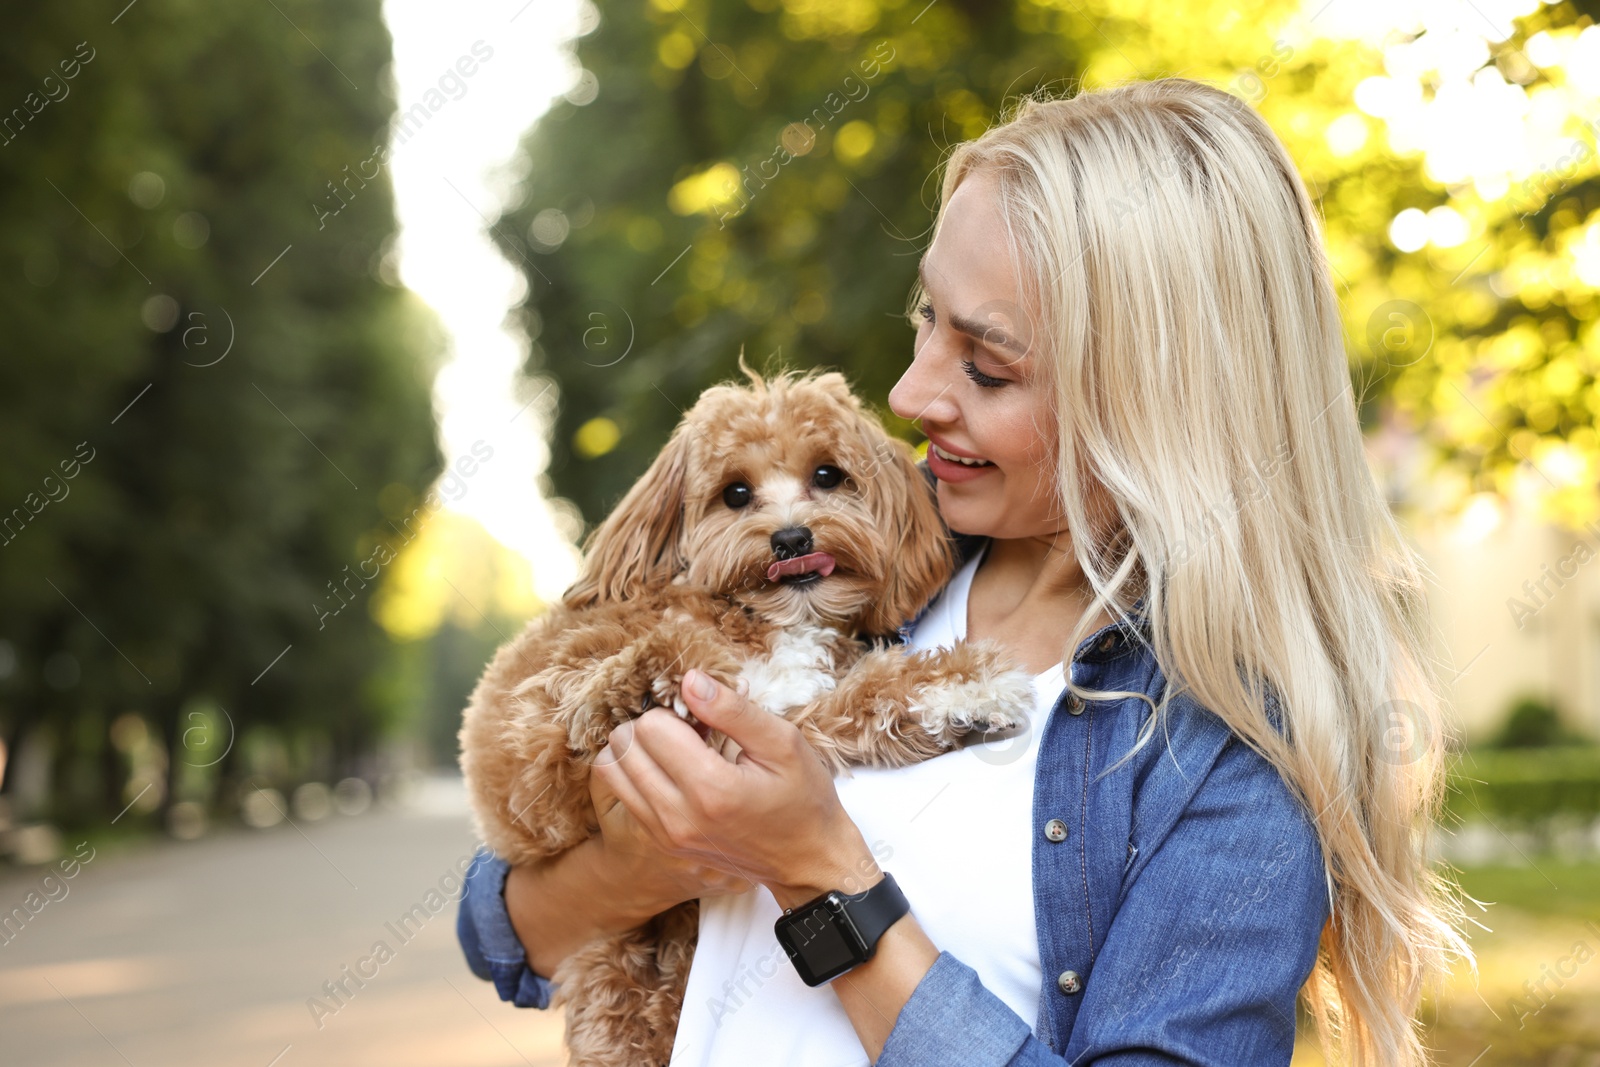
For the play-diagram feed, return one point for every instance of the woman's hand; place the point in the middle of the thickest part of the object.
(612, 882)
(772, 816)
(639, 866)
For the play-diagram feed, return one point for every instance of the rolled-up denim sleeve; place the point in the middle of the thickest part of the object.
(1201, 966)
(493, 951)
(952, 1019)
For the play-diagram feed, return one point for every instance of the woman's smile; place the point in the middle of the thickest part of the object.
(952, 466)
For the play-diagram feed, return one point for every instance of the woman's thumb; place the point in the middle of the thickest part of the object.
(714, 704)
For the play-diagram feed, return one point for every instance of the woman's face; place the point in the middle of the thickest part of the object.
(974, 384)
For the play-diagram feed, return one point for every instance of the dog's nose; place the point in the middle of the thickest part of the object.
(791, 541)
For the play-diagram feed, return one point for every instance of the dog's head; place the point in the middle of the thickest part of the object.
(787, 495)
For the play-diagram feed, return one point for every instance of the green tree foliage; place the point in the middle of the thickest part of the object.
(1483, 344)
(1507, 391)
(232, 358)
(784, 153)
(788, 152)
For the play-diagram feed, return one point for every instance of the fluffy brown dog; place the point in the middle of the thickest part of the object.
(778, 532)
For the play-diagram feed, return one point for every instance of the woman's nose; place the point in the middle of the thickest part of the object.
(921, 393)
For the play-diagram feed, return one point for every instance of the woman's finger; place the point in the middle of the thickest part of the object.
(659, 739)
(635, 772)
(628, 796)
(615, 820)
(617, 779)
(761, 736)
(601, 795)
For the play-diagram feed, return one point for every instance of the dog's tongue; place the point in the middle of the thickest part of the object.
(820, 562)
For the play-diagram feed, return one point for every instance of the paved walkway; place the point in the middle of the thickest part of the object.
(208, 952)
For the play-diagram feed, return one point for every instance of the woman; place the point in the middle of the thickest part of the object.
(1130, 370)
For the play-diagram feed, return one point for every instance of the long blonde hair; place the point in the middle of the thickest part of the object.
(1188, 325)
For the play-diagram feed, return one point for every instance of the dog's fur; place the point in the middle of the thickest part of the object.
(675, 578)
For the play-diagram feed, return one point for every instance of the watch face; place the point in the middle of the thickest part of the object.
(821, 941)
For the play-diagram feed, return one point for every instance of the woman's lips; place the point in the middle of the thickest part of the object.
(949, 451)
(950, 471)
(818, 563)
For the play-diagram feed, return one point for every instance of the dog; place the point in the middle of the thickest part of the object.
(779, 537)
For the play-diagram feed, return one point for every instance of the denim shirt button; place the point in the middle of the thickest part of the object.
(1069, 982)
(1074, 705)
(1055, 830)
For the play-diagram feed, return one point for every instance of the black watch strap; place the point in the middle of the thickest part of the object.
(876, 909)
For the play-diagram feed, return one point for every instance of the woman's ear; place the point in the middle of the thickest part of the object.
(921, 558)
(639, 543)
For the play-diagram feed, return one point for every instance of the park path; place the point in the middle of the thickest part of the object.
(207, 952)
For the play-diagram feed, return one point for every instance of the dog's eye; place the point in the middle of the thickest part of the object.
(827, 477)
(736, 495)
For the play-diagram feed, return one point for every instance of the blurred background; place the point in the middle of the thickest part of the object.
(330, 326)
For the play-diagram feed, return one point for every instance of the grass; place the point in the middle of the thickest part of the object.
(1536, 999)
(1570, 890)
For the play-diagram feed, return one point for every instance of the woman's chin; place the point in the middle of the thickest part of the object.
(967, 509)
(990, 514)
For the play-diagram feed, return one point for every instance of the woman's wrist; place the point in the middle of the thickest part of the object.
(848, 866)
(558, 906)
(635, 885)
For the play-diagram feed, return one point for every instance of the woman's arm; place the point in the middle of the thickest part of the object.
(605, 886)
(487, 939)
(874, 993)
(558, 906)
(517, 924)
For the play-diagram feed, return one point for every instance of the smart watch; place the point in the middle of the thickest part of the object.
(834, 932)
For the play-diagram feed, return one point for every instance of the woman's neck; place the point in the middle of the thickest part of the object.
(1039, 567)
(1028, 594)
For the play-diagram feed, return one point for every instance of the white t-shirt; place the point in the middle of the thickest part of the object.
(955, 832)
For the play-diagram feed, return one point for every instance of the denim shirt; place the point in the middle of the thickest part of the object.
(1179, 897)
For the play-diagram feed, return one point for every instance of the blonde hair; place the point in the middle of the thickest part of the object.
(1187, 323)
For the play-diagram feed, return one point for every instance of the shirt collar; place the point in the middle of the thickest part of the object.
(1117, 636)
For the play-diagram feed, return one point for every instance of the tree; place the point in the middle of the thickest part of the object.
(1484, 265)
(745, 176)
(207, 366)
(758, 175)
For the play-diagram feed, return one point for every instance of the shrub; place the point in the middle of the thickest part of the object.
(1534, 723)
(1525, 786)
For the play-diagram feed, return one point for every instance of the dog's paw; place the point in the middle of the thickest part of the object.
(999, 702)
(1012, 701)
(666, 692)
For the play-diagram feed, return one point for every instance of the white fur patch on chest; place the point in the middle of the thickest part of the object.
(797, 670)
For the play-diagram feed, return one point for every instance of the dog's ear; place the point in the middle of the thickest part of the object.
(921, 557)
(639, 543)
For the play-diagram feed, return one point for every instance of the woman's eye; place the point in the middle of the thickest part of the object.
(737, 495)
(925, 311)
(987, 381)
(827, 477)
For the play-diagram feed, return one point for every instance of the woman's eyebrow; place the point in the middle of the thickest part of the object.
(992, 334)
